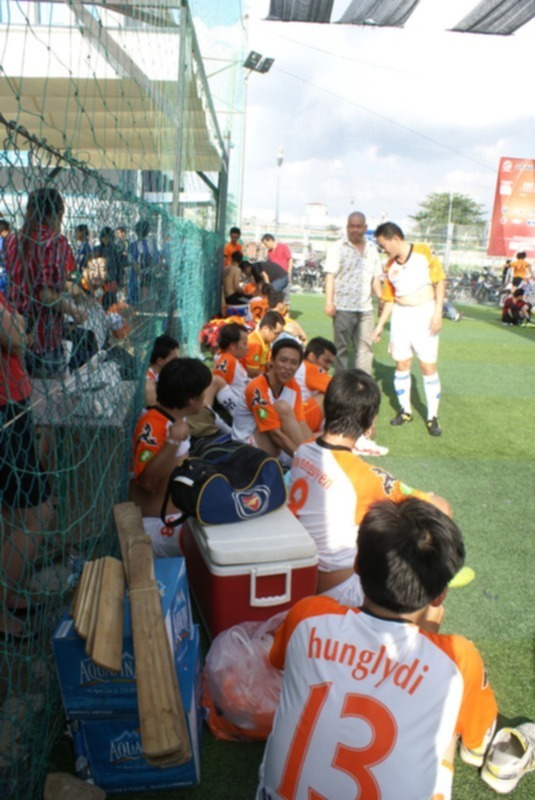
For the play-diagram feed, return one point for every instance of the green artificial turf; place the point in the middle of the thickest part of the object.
(483, 464)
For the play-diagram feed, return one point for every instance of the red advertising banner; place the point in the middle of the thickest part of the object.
(513, 218)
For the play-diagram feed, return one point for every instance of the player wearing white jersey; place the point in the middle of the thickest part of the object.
(313, 378)
(233, 346)
(270, 415)
(331, 488)
(413, 295)
(374, 698)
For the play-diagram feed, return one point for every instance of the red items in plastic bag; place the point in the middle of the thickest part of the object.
(241, 688)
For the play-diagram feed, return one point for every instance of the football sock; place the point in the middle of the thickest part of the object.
(402, 385)
(226, 398)
(432, 394)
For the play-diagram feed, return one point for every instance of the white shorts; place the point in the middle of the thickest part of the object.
(409, 333)
(165, 539)
(348, 593)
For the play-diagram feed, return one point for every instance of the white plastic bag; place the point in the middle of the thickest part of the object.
(241, 687)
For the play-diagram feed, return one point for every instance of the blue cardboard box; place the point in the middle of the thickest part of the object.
(92, 691)
(109, 752)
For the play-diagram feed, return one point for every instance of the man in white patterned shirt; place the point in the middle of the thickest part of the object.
(352, 276)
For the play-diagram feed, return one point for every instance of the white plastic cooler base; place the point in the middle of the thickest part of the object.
(249, 570)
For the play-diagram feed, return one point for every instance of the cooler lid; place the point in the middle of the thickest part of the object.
(277, 536)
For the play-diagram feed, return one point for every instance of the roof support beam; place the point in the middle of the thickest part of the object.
(118, 59)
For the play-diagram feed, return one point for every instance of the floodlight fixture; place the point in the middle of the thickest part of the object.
(253, 60)
(265, 65)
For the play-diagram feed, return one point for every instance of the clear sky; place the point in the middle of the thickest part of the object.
(375, 119)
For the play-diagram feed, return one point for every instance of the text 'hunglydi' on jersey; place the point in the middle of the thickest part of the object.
(363, 663)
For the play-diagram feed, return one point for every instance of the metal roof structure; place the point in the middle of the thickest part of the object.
(94, 91)
(497, 17)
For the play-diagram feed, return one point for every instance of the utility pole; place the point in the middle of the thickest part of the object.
(280, 159)
(449, 236)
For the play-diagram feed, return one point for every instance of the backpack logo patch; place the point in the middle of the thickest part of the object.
(251, 503)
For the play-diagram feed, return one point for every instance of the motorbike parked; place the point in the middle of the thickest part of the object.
(488, 287)
(308, 276)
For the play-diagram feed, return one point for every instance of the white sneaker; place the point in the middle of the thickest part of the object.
(476, 756)
(367, 447)
(511, 755)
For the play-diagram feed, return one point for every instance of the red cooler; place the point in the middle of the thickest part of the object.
(249, 570)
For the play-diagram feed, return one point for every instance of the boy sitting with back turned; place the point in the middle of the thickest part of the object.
(374, 698)
(332, 488)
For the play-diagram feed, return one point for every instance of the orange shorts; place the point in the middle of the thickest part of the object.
(313, 414)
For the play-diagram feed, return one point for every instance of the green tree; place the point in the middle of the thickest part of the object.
(434, 210)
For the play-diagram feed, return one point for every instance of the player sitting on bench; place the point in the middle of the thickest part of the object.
(374, 697)
(332, 488)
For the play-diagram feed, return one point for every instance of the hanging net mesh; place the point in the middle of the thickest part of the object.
(112, 197)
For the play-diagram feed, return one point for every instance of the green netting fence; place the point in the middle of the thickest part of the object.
(83, 419)
(109, 108)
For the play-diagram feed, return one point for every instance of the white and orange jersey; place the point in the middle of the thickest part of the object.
(232, 371)
(256, 409)
(149, 437)
(258, 305)
(368, 706)
(312, 379)
(258, 352)
(422, 268)
(331, 489)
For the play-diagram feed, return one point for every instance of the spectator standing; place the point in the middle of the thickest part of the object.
(506, 272)
(24, 491)
(5, 227)
(232, 246)
(116, 259)
(39, 261)
(83, 248)
(520, 269)
(121, 239)
(143, 259)
(352, 275)
(280, 254)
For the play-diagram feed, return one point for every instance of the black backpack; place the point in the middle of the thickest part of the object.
(244, 482)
